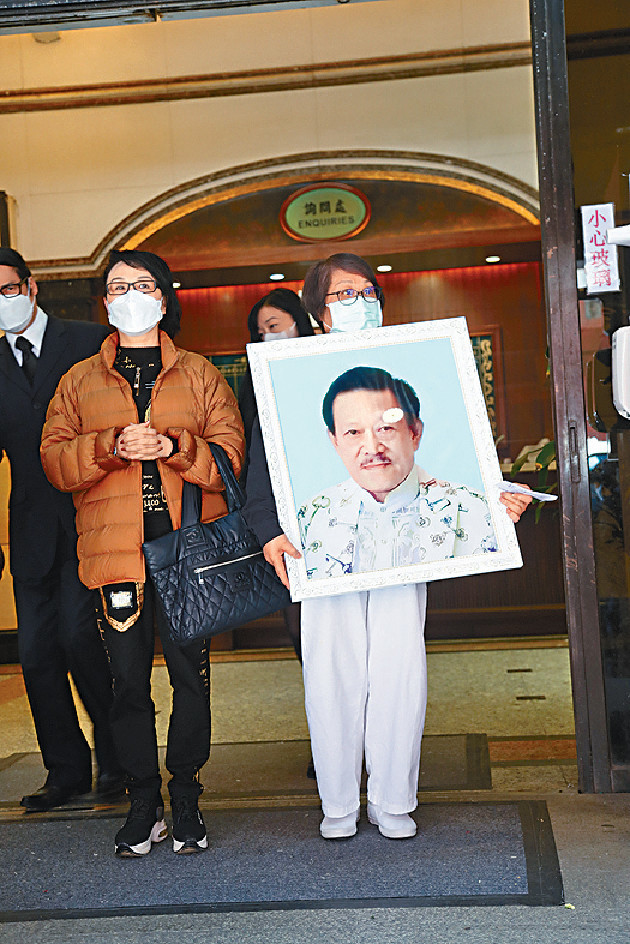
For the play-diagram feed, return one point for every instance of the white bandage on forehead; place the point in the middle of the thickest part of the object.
(394, 415)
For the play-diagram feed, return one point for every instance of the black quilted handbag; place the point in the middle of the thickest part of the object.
(212, 577)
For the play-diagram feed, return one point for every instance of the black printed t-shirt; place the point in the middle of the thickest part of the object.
(140, 367)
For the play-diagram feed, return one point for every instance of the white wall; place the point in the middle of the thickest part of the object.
(75, 173)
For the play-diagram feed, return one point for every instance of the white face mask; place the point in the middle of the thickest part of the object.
(134, 313)
(281, 335)
(355, 317)
(15, 313)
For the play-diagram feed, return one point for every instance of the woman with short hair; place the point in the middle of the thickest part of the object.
(363, 652)
(124, 430)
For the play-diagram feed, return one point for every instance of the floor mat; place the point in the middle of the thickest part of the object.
(464, 853)
(278, 769)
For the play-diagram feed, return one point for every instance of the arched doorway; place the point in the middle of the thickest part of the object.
(435, 222)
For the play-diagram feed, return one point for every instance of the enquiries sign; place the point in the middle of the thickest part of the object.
(325, 211)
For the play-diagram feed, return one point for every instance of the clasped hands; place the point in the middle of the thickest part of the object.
(141, 441)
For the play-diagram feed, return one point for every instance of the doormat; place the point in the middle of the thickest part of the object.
(261, 859)
(277, 769)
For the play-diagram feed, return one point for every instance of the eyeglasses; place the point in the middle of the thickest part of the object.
(146, 286)
(13, 288)
(347, 296)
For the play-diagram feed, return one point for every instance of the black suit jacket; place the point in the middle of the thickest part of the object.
(37, 510)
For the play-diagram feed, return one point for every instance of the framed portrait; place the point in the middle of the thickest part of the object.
(381, 457)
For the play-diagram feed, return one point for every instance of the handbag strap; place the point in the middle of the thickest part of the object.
(191, 494)
(233, 492)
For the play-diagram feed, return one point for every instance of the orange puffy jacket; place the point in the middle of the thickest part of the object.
(191, 402)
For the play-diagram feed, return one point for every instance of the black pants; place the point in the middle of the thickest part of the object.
(291, 614)
(133, 711)
(57, 634)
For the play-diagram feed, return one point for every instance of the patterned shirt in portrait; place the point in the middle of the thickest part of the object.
(345, 530)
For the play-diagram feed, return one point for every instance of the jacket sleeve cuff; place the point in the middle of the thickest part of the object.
(186, 450)
(104, 446)
(267, 532)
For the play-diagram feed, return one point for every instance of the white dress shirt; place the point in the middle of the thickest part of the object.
(34, 333)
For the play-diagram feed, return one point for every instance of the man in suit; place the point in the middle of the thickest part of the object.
(57, 631)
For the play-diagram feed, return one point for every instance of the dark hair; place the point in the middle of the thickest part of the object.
(317, 279)
(372, 378)
(162, 275)
(11, 258)
(285, 300)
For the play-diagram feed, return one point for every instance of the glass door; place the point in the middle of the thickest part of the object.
(599, 106)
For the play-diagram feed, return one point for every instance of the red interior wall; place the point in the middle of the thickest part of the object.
(214, 321)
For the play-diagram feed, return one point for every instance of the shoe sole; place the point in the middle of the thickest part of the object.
(158, 834)
(189, 846)
(337, 834)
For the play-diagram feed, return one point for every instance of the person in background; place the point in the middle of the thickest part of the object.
(56, 619)
(124, 430)
(364, 659)
(277, 316)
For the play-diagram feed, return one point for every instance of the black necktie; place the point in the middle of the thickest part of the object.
(29, 361)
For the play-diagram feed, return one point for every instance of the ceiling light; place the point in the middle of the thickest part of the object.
(276, 277)
(493, 258)
(177, 284)
(384, 268)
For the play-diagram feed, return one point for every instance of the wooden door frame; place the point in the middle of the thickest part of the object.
(557, 220)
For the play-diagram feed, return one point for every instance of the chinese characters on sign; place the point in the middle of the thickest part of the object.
(600, 258)
(311, 208)
(324, 211)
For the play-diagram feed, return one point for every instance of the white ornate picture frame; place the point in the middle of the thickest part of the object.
(436, 358)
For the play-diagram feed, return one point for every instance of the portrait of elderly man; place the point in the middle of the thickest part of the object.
(390, 512)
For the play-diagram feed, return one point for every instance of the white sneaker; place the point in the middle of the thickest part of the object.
(339, 827)
(391, 825)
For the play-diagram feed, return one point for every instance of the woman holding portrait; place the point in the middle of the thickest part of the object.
(363, 652)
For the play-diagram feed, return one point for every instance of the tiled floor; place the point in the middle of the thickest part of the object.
(518, 695)
(484, 690)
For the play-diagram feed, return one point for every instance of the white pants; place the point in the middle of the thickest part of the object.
(365, 679)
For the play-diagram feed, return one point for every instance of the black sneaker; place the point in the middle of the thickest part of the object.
(189, 830)
(145, 825)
